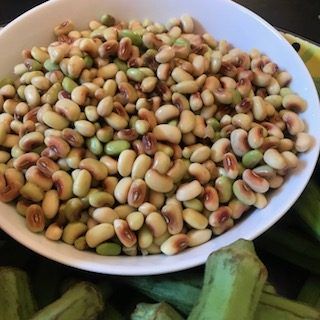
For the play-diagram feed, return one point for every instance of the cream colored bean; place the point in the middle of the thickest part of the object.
(166, 132)
(293, 122)
(68, 109)
(198, 237)
(99, 234)
(145, 237)
(157, 182)
(255, 182)
(161, 162)
(274, 159)
(73, 231)
(50, 204)
(32, 192)
(85, 128)
(99, 199)
(175, 244)
(166, 112)
(187, 23)
(62, 181)
(124, 210)
(201, 154)
(165, 54)
(178, 170)
(82, 183)
(303, 142)
(276, 182)
(195, 219)
(200, 172)
(122, 189)
(104, 215)
(291, 159)
(124, 234)
(239, 142)
(97, 169)
(55, 120)
(179, 75)
(111, 164)
(135, 220)
(147, 208)
(185, 87)
(156, 198)
(219, 148)
(261, 201)
(189, 190)
(54, 232)
(140, 166)
(187, 121)
(125, 162)
(32, 96)
(156, 224)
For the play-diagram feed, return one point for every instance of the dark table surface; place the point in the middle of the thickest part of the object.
(298, 16)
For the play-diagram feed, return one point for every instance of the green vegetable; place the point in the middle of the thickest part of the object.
(158, 311)
(16, 299)
(233, 281)
(81, 301)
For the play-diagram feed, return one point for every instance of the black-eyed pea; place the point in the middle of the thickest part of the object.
(219, 216)
(238, 208)
(31, 192)
(189, 190)
(72, 231)
(124, 210)
(223, 227)
(74, 157)
(99, 233)
(124, 233)
(259, 108)
(11, 182)
(200, 154)
(79, 95)
(285, 144)
(303, 142)
(146, 208)
(242, 120)
(166, 132)
(223, 186)
(27, 143)
(135, 220)
(157, 182)
(35, 176)
(54, 120)
(121, 190)
(243, 192)
(140, 166)
(291, 159)
(148, 84)
(100, 199)
(200, 172)
(230, 165)
(111, 164)
(274, 159)
(178, 170)
(210, 198)
(293, 122)
(59, 147)
(175, 244)
(137, 193)
(194, 219)
(63, 182)
(276, 181)
(161, 162)
(198, 237)
(109, 184)
(50, 204)
(25, 160)
(255, 182)
(85, 128)
(156, 198)
(187, 121)
(54, 232)
(294, 103)
(239, 142)
(145, 237)
(35, 220)
(261, 201)
(219, 148)
(166, 112)
(156, 223)
(104, 215)
(97, 169)
(68, 108)
(172, 214)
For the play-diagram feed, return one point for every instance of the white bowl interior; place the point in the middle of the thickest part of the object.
(224, 20)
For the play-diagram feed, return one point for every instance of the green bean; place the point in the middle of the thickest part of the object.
(252, 158)
(94, 145)
(135, 38)
(68, 84)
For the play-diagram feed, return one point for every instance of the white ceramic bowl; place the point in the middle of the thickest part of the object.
(223, 19)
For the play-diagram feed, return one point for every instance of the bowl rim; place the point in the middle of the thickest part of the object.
(165, 267)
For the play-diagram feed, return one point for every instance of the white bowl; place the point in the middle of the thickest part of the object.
(224, 19)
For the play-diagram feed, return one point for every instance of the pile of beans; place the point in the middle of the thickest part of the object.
(142, 138)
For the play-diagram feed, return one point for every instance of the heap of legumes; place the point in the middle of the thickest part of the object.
(141, 138)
